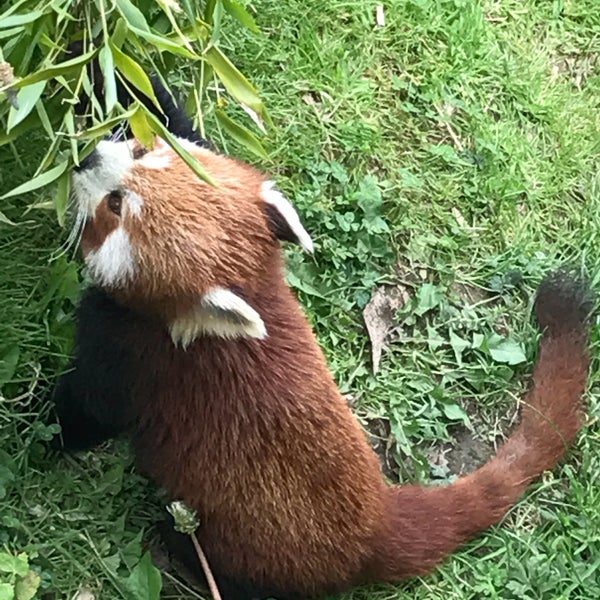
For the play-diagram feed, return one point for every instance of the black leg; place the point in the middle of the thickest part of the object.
(79, 429)
(93, 399)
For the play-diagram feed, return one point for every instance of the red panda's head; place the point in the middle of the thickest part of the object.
(158, 236)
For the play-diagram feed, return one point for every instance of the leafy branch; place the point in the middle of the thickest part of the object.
(41, 84)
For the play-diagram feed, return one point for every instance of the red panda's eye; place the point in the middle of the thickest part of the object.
(115, 202)
(139, 152)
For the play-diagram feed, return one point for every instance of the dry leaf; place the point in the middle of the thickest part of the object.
(84, 594)
(380, 16)
(7, 78)
(254, 116)
(379, 316)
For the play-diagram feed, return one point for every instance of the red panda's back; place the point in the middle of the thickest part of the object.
(247, 434)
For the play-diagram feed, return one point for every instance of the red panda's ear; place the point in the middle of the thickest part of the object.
(283, 219)
(220, 312)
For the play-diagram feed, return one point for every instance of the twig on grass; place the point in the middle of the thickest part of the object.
(445, 115)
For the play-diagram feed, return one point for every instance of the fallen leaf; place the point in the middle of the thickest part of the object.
(379, 316)
(380, 16)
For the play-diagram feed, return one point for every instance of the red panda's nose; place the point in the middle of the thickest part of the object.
(89, 162)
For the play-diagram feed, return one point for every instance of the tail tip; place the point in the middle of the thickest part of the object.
(564, 301)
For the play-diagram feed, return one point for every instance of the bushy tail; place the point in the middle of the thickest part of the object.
(426, 524)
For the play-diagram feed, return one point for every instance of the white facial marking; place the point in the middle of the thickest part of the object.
(221, 313)
(112, 165)
(288, 212)
(134, 204)
(91, 185)
(114, 262)
(157, 160)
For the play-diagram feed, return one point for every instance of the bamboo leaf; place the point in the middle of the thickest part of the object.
(241, 135)
(233, 80)
(132, 14)
(209, 11)
(45, 120)
(166, 8)
(38, 182)
(141, 128)
(4, 219)
(183, 153)
(19, 20)
(54, 71)
(217, 19)
(137, 24)
(26, 101)
(119, 33)
(61, 199)
(105, 127)
(133, 73)
(107, 66)
(29, 123)
(10, 33)
(237, 10)
(163, 43)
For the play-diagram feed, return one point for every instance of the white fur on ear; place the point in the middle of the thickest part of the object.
(284, 207)
(222, 313)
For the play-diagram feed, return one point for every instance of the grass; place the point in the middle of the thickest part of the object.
(454, 151)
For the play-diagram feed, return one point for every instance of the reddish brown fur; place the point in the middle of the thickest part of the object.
(95, 232)
(255, 435)
(186, 250)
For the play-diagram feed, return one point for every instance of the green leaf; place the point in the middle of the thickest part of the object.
(54, 71)
(507, 351)
(29, 123)
(27, 587)
(8, 365)
(14, 565)
(38, 182)
(132, 15)
(159, 128)
(4, 219)
(119, 33)
(429, 296)
(163, 43)
(455, 413)
(134, 74)
(26, 99)
(106, 126)
(459, 345)
(237, 10)
(141, 128)
(217, 19)
(107, 66)
(144, 582)
(235, 83)
(6, 477)
(61, 199)
(209, 11)
(132, 551)
(7, 591)
(18, 20)
(241, 135)
(137, 24)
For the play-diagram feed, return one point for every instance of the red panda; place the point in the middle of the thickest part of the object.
(193, 343)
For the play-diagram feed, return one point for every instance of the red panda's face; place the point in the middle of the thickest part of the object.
(157, 235)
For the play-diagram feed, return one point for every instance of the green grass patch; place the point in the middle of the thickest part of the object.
(454, 151)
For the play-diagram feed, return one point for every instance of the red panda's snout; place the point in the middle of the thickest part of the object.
(159, 237)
